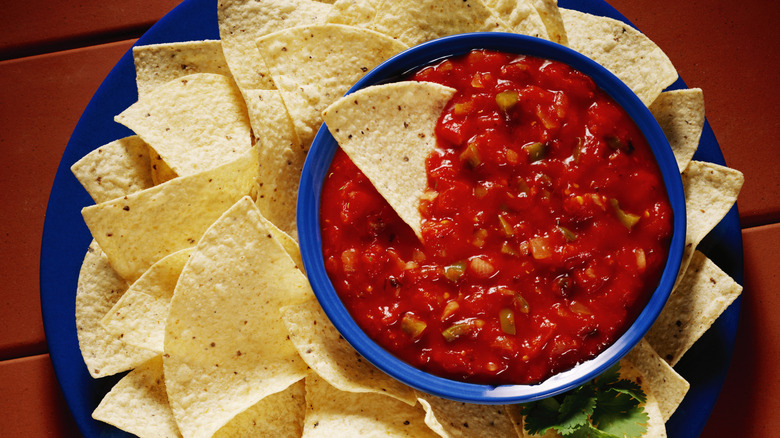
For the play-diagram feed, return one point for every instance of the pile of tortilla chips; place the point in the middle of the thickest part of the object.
(194, 279)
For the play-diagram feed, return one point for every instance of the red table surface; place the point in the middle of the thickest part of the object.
(53, 56)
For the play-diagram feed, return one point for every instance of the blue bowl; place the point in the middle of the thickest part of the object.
(316, 168)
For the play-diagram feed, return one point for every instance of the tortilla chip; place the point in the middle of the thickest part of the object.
(680, 113)
(332, 358)
(520, 15)
(158, 64)
(242, 22)
(388, 132)
(655, 426)
(456, 419)
(226, 347)
(195, 122)
(519, 422)
(710, 192)
(353, 12)
(281, 158)
(621, 49)
(417, 21)
(137, 230)
(138, 318)
(658, 377)
(289, 244)
(703, 293)
(312, 66)
(116, 169)
(333, 413)
(99, 288)
(553, 22)
(138, 404)
(161, 172)
(279, 415)
(656, 423)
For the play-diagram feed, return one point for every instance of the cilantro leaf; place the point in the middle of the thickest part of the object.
(576, 409)
(608, 377)
(606, 407)
(588, 431)
(632, 389)
(619, 414)
(541, 415)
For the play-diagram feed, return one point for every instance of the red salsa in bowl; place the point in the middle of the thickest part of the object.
(546, 228)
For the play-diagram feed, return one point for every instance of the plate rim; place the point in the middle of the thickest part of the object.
(687, 421)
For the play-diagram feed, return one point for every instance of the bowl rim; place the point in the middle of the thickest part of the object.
(396, 68)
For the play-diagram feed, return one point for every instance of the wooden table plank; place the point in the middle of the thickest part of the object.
(31, 402)
(41, 25)
(750, 402)
(732, 51)
(43, 97)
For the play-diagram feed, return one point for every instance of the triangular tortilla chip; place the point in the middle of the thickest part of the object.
(416, 21)
(621, 49)
(157, 64)
(651, 383)
(710, 192)
(289, 244)
(333, 413)
(680, 113)
(161, 172)
(194, 123)
(312, 66)
(701, 296)
(658, 377)
(551, 17)
(353, 12)
(116, 169)
(656, 423)
(281, 158)
(456, 419)
(242, 22)
(333, 359)
(226, 347)
(388, 132)
(139, 405)
(139, 316)
(279, 415)
(99, 288)
(520, 15)
(137, 230)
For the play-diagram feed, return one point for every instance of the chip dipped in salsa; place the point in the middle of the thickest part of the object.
(545, 228)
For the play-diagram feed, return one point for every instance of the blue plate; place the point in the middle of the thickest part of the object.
(317, 167)
(65, 240)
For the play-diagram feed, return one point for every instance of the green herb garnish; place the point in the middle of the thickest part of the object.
(606, 407)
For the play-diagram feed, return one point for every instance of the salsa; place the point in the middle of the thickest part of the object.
(545, 228)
